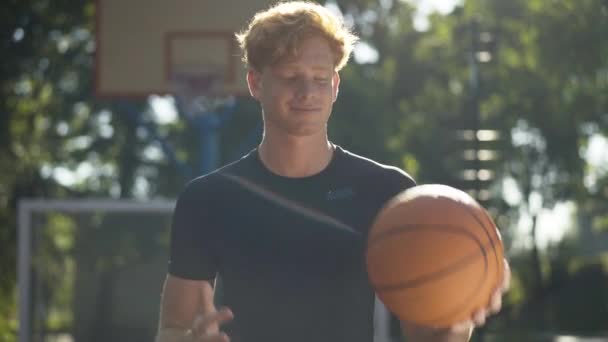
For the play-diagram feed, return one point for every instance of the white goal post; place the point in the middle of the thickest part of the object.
(28, 208)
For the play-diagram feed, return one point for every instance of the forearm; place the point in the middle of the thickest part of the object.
(415, 333)
(183, 303)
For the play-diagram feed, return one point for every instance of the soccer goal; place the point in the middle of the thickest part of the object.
(92, 270)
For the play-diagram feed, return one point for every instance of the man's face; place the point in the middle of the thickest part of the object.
(297, 94)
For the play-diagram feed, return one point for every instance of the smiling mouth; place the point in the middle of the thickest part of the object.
(299, 109)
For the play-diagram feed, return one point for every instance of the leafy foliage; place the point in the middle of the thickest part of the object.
(544, 89)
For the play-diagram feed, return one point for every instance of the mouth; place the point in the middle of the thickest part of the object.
(305, 109)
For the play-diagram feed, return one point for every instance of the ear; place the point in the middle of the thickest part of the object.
(335, 85)
(254, 83)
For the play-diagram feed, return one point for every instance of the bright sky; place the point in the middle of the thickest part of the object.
(426, 7)
(364, 53)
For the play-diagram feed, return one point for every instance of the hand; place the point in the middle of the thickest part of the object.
(206, 327)
(480, 316)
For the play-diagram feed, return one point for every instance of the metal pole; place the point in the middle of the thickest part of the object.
(208, 125)
(24, 270)
(475, 86)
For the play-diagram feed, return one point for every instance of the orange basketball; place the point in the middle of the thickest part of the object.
(434, 256)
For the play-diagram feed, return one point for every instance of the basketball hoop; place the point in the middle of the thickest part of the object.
(198, 91)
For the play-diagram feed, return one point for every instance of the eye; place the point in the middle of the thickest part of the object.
(289, 78)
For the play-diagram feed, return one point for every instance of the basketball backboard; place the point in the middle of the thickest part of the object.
(143, 46)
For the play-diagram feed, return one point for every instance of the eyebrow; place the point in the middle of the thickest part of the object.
(298, 66)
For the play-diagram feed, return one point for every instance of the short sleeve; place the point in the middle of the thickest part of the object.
(398, 181)
(193, 234)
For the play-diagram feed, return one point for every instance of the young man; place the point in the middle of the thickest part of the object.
(286, 225)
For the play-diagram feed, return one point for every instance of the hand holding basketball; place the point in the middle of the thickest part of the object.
(479, 317)
(435, 258)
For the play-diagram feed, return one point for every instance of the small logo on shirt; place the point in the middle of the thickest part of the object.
(340, 194)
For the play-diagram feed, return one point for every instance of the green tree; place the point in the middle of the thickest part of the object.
(540, 92)
(545, 96)
(52, 125)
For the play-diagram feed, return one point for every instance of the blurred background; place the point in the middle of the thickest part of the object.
(507, 99)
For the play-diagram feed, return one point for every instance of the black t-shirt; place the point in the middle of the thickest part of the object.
(290, 251)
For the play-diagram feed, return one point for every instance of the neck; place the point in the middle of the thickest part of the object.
(296, 157)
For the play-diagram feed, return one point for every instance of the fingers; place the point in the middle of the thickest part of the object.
(496, 302)
(206, 328)
(462, 327)
(212, 321)
(506, 277)
(478, 319)
(480, 316)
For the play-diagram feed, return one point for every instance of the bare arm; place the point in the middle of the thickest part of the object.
(186, 310)
(416, 333)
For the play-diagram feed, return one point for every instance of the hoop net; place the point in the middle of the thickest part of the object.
(199, 91)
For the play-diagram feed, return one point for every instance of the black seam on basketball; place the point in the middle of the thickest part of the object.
(485, 229)
(485, 276)
(459, 307)
(450, 229)
(488, 234)
(399, 229)
(495, 230)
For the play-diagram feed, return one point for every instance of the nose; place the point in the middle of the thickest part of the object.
(306, 88)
